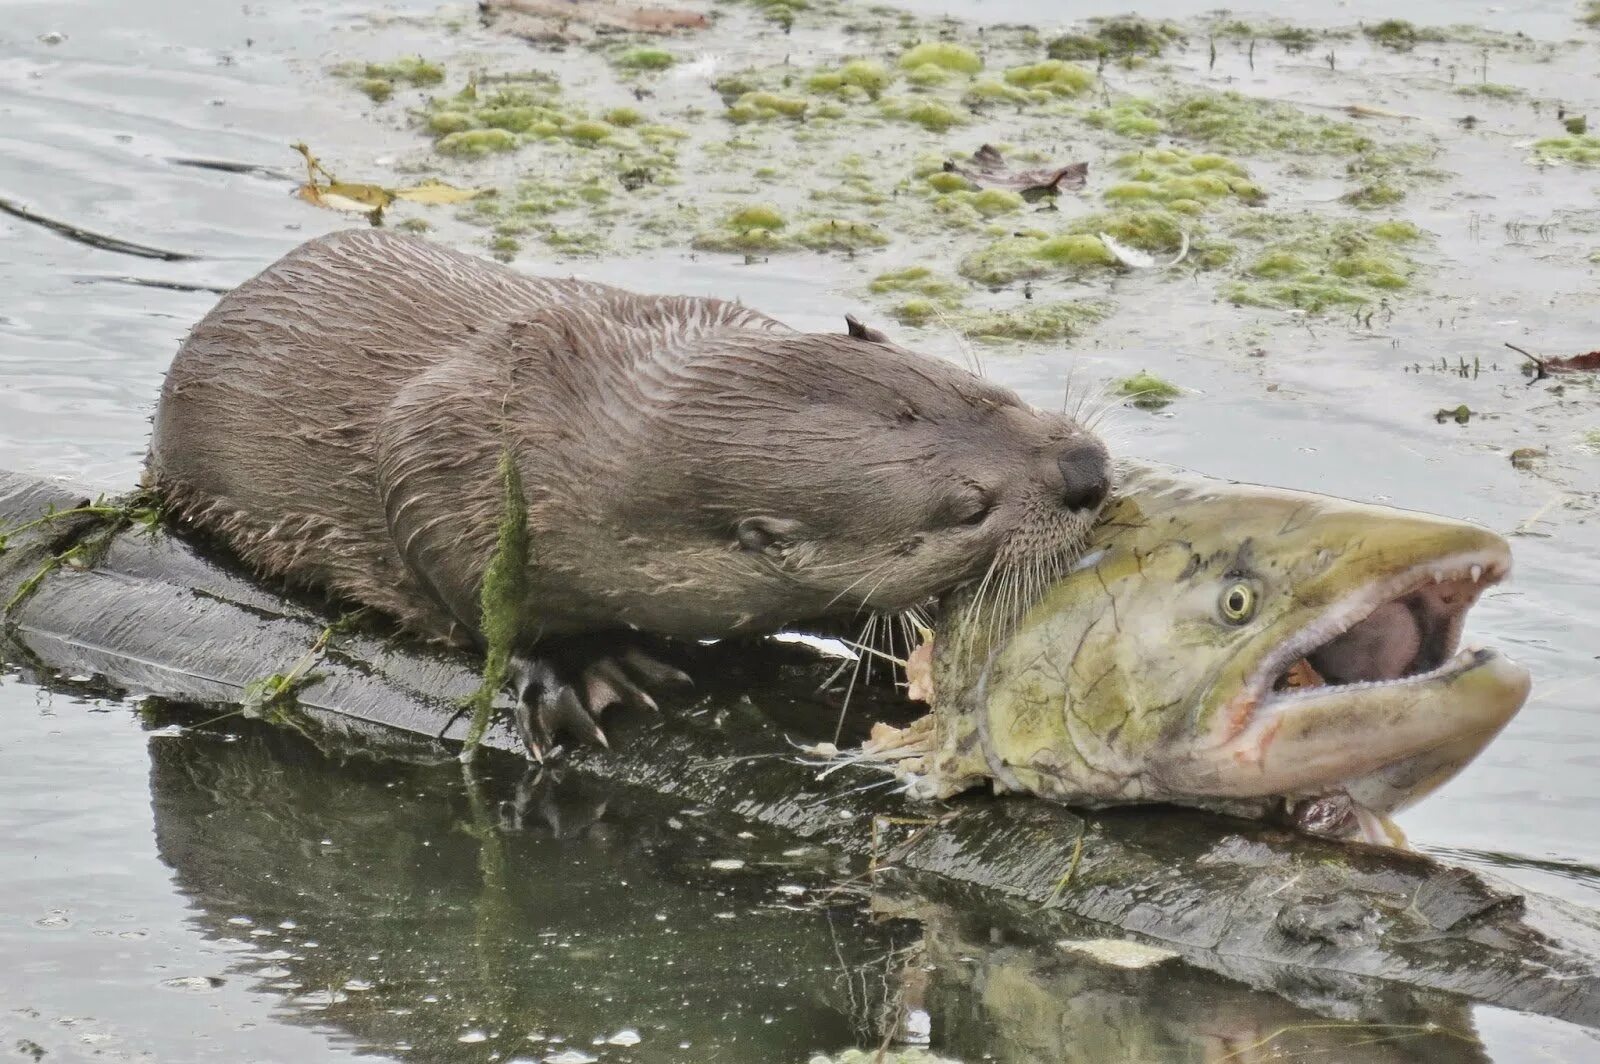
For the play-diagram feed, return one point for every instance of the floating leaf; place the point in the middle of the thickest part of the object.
(322, 189)
(988, 169)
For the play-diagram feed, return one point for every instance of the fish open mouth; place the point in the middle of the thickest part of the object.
(1401, 629)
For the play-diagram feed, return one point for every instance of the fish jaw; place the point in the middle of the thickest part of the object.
(1385, 745)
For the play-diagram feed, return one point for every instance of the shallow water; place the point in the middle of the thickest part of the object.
(143, 906)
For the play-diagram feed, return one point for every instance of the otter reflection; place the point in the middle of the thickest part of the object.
(391, 903)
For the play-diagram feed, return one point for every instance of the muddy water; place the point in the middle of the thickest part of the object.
(177, 895)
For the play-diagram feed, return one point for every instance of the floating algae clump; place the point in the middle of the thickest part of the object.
(1052, 76)
(863, 77)
(1246, 126)
(476, 143)
(761, 106)
(1034, 321)
(1121, 37)
(1580, 149)
(966, 207)
(1016, 257)
(930, 114)
(1399, 35)
(378, 80)
(1147, 391)
(757, 216)
(1374, 194)
(1184, 181)
(1134, 118)
(920, 280)
(755, 227)
(1312, 265)
(834, 234)
(645, 59)
(942, 54)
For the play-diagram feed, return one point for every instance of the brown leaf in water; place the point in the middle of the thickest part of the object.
(988, 169)
(540, 20)
(322, 189)
(1588, 362)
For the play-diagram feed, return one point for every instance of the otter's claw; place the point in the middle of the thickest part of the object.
(548, 705)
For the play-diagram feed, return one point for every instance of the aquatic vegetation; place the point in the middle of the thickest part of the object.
(834, 234)
(930, 114)
(1122, 37)
(1399, 35)
(1375, 194)
(1491, 90)
(1245, 126)
(1017, 257)
(501, 600)
(944, 55)
(1032, 321)
(1131, 118)
(1147, 391)
(1185, 182)
(864, 77)
(476, 143)
(378, 80)
(1578, 149)
(757, 216)
(1052, 76)
(763, 106)
(645, 59)
(932, 293)
(1310, 264)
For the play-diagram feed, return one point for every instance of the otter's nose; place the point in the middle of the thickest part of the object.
(1085, 474)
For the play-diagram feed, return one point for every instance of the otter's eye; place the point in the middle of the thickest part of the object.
(1238, 603)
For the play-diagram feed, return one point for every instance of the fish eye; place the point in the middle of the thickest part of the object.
(1238, 603)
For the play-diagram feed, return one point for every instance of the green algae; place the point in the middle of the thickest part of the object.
(1183, 181)
(1579, 149)
(1134, 119)
(1017, 257)
(1399, 35)
(1052, 76)
(944, 55)
(1123, 37)
(763, 106)
(835, 234)
(1374, 194)
(968, 207)
(866, 78)
(476, 143)
(1243, 125)
(644, 59)
(921, 281)
(378, 80)
(1147, 391)
(1311, 264)
(502, 600)
(1490, 89)
(757, 216)
(931, 114)
(379, 89)
(1032, 322)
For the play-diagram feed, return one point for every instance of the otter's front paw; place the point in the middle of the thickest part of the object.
(567, 693)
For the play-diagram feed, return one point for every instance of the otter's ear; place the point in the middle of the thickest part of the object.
(859, 331)
(768, 535)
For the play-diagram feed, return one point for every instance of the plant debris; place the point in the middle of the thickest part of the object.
(371, 200)
(987, 168)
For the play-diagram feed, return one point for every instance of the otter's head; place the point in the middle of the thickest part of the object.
(840, 473)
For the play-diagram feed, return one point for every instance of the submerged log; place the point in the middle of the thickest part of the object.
(1382, 934)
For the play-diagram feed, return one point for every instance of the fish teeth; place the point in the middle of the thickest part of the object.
(1477, 571)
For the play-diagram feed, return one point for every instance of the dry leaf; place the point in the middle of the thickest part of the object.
(988, 169)
(322, 189)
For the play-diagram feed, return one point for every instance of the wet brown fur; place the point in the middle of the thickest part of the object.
(692, 467)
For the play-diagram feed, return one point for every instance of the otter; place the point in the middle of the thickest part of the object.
(691, 468)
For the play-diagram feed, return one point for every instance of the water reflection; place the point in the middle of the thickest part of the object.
(413, 913)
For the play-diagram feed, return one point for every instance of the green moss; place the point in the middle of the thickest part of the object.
(922, 281)
(1491, 90)
(865, 76)
(1052, 76)
(1122, 37)
(502, 599)
(1031, 322)
(948, 181)
(476, 143)
(1244, 126)
(949, 56)
(1147, 391)
(380, 89)
(1014, 258)
(928, 113)
(1134, 119)
(763, 106)
(919, 311)
(928, 75)
(645, 59)
(988, 92)
(589, 132)
(441, 123)
(1311, 264)
(757, 216)
(409, 70)
(518, 118)
(1375, 194)
(623, 117)
(835, 234)
(1180, 180)
(984, 204)
(1577, 149)
(1399, 35)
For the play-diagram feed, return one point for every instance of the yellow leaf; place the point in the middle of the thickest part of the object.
(436, 192)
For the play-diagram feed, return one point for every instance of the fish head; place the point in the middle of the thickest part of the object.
(1236, 646)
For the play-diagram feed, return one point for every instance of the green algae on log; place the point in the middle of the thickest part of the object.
(1250, 902)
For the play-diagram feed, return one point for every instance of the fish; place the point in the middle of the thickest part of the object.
(1264, 652)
